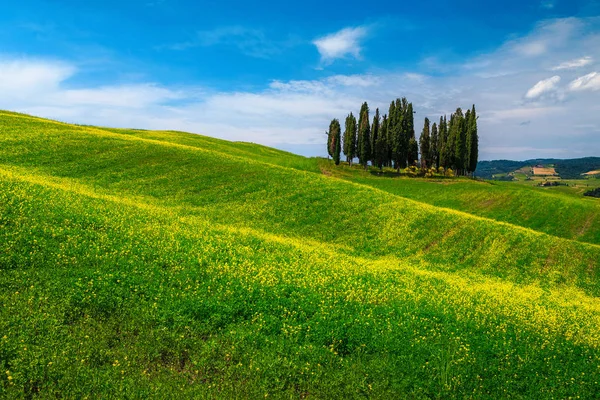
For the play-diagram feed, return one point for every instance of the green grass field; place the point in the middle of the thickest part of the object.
(560, 211)
(144, 264)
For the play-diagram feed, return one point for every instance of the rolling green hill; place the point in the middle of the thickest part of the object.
(160, 264)
(558, 211)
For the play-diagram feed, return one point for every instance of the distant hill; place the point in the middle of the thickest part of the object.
(566, 169)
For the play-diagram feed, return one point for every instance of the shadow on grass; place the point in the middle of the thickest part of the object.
(387, 174)
(395, 174)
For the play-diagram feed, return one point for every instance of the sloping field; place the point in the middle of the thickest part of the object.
(135, 266)
(555, 213)
(248, 150)
(544, 171)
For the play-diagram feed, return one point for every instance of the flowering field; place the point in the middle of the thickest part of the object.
(145, 264)
(559, 211)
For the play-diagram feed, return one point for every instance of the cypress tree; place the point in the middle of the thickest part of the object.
(330, 140)
(381, 144)
(410, 115)
(390, 135)
(460, 141)
(361, 117)
(404, 132)
(450, 142)
(446, 139)
(413, 151)
(364, 140)
(328, 133)
(335, 132)
(350, 138)
(413, 145)
(375, 134)
(464, 128)
(393, 131)
(396, 134)
(474, 142)
(442, 144)
(467, 155)
(433, 147)
(425, 145)
(388, 145)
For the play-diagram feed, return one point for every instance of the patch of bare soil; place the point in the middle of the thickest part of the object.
(543, 171)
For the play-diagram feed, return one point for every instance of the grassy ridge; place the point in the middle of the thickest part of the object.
(135, 267)
(242, 149)
(553, 212)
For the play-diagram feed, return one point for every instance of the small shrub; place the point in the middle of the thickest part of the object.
(412, 171)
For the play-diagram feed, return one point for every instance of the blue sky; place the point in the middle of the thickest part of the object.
(276, 73)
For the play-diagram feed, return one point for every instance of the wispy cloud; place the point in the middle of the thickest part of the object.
(533, 48)
(543, 87)
(572, 64)
(548, 4)
(341, 44)
(587, 82)
(506, 115)
(122, 96)
(549, 39)
(251, 42)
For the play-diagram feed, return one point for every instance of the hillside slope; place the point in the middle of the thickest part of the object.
(553, 213)
(248, 150)
(141, 266)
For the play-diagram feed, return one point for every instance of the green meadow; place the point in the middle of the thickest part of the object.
(143, 264)
(560, 211)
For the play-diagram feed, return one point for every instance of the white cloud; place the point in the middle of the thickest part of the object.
(543, 87)
(341, 44)
(22, 76)
(572, 64)
(41, 86)
(587, 82)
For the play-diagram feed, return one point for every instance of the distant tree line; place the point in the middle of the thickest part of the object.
(566, 169)
(390, 141)
(593, 193)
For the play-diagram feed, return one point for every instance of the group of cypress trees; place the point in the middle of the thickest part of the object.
(389, 141)
(451, 144)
